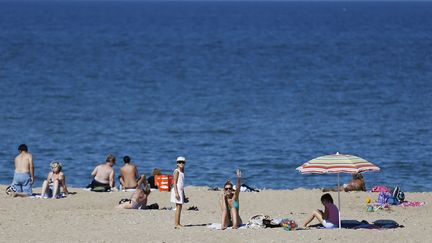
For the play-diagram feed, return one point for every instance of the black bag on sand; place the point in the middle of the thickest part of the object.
(395, 192)
(153, 206)
(398, 194)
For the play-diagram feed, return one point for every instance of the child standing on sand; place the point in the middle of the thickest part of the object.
(177, 192)
(330, 217)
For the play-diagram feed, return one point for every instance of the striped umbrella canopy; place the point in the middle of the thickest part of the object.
(337, 163)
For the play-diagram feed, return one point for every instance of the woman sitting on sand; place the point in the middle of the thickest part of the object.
(356, 184)
(230, 206)
(55, 180)
(137, 200)
(330, 217)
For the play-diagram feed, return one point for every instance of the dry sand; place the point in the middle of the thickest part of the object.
(91, 217)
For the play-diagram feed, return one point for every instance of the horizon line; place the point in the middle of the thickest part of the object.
(412, 1)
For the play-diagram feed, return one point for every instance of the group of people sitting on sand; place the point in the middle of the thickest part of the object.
(103, 180)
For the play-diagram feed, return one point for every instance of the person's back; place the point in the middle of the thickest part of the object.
(23, 162)
(329, 218)
(358, 185)
(103, 173)
(24, 173)
(332, 213)
(129, 175)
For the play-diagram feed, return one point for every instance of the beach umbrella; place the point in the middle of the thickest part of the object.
(337, 163)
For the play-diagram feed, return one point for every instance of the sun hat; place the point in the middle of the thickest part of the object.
(181, 158)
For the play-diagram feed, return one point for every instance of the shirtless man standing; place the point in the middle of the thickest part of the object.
(104, 175)
(24, 174)
(129, 176)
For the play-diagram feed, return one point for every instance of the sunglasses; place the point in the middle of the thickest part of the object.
(181, 162)
(228, 189)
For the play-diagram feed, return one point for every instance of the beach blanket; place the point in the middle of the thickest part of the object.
(411, 204)
(217, 226)
(378, 224)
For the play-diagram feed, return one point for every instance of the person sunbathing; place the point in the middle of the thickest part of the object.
(229, 203)
(357, 184)
(138, 200)
(55, 180)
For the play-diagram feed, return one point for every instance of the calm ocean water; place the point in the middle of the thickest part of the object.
(259, 86)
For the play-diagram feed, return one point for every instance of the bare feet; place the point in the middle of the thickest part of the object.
(179, 226)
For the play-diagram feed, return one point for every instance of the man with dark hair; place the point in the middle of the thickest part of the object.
(24, 174)
(129, 178)
(22, 147)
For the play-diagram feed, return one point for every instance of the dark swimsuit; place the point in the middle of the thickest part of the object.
(96, 183)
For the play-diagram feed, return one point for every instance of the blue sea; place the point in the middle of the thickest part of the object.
(260, 86)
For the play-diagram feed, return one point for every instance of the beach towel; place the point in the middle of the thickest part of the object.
(411, 204)
(217, 226)
(380, 189)
(258, 221)
(129, 190)
(378, 224)
(62, 195)
(246, 188)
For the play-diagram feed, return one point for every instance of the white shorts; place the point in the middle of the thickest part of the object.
(328, 225)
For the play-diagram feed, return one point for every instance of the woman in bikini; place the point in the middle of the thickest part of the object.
(356, 184)
(55, 180)
(229, 203)
(138, 199)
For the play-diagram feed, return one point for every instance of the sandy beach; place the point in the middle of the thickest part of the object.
(91, 217)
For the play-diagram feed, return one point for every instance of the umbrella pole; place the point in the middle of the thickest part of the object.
(339, 201)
